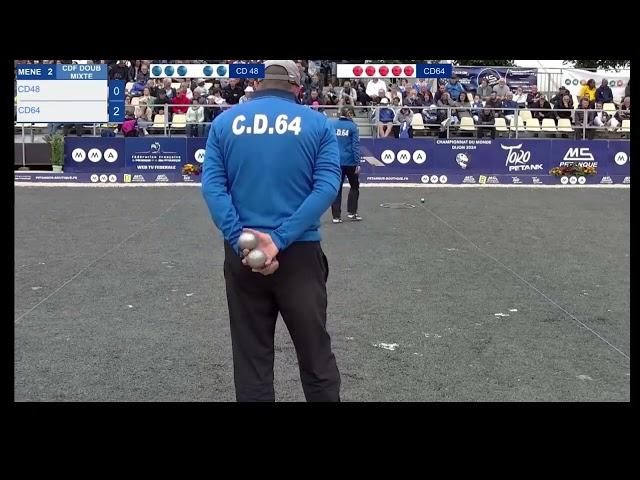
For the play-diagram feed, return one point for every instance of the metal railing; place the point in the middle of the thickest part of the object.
(448, 119)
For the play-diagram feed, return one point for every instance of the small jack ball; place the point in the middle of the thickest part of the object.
(422, 200)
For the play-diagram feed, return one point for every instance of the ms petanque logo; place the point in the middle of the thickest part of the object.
(199, 155)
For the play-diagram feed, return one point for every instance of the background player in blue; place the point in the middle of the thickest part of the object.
(272, 167)
(349, 146)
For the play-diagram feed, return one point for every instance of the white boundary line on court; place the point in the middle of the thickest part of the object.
(365, 185)
(83, 269)
(533, 287)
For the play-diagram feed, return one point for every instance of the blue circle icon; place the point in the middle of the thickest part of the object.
(168, 70)
(157, 71)
(208, 71)
(222, 70)
(182, 70)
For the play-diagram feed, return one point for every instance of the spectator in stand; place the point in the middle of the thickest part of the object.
(132, 74)
(495, 103)
(201, 87)
(169, 90)
(501, 89)
(584, 117)
(143, 74)
(160, 102)
(509, 106)
(477, 108)
(146, 96)
(248, 93)
(232, 92)
(413, 100)
(597, 119)
(443, 112)
(624, 112)
(404, 87)
(137, 89)
(217, 105)
(143, 115)
(425, 93)
(385, 117)
(181, 100)
(195, 117)
(347, 89)
(430, 115)
(604, 93)
(565, 107)
(120, 71)
(347, 101)
(454, 87)
(373, 88)
(199, 98)
(331, 96)
(542, 114)
(486, 123)
(532, 97)
(129, 110)
(403, 119)
(441, 89)
(589, 89)
(558, 97)
(151, 85)
(465, 104)
(186, 85)
(304, 78)
(484, 90)
(361, 93)
(627, 89)
(520, 98)
(315, 83)
(394, 91)
(313, 96)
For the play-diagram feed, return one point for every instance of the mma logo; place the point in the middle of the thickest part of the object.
(95, 155)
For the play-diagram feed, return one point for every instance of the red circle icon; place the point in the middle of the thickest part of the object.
(370, 70)
(396, 70)
(408, 70)
(384, 70)
(357, 70)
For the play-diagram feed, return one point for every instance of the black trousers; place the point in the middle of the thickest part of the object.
(297, 290)
(354, 193)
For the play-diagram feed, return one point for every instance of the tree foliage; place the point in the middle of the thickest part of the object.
(600, 64)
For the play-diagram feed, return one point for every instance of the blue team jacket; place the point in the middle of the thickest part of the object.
(348, 141)
(271, 165)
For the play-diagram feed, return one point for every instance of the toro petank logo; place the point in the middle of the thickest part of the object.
(518, 160)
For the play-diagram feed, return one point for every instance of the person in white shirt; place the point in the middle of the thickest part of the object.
(374, 85)
(248, 93)
(195, 117)
(520, 98)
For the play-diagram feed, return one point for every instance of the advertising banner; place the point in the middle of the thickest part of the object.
(574, 78)
(94, 154)
(423, 160)
(470, 77)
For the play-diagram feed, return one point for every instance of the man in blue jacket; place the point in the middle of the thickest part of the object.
(349, 147)
(272, 167)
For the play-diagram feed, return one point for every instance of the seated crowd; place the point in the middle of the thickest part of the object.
(394, 104)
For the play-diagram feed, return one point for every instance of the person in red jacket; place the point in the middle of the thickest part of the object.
(182, 100)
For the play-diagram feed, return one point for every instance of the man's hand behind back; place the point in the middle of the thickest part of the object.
(265, 243)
